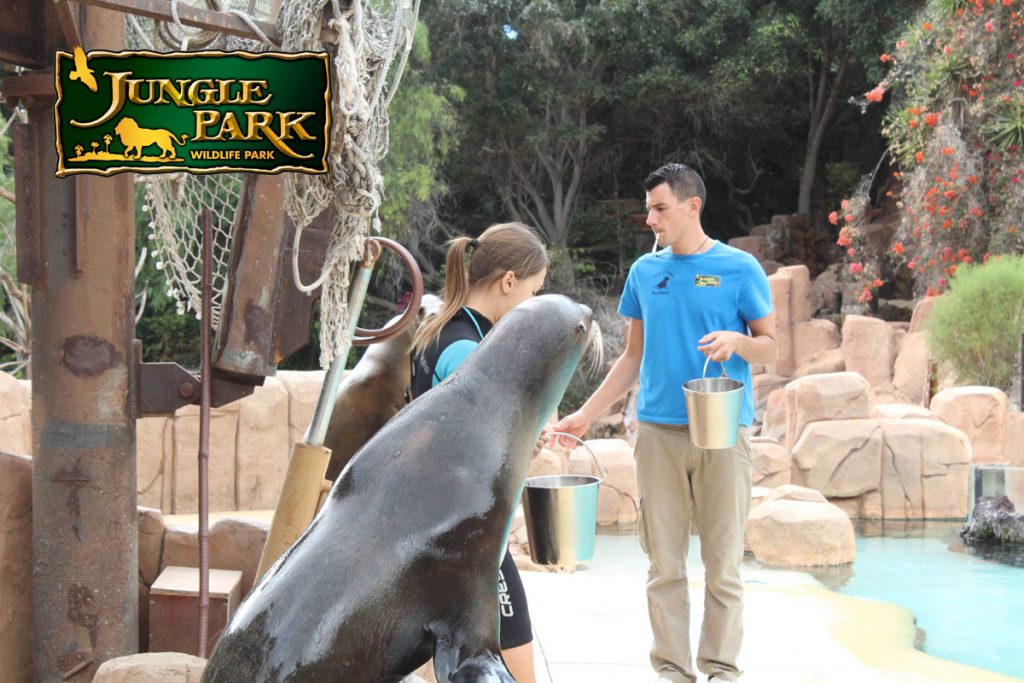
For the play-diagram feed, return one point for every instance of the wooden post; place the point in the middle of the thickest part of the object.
(85, 529)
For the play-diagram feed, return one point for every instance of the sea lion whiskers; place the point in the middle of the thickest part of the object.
(592, 361)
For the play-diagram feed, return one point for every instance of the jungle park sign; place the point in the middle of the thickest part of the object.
(198, 112)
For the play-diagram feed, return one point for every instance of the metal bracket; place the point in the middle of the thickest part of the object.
(162, 388)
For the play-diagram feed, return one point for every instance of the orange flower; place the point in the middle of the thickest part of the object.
(877, 283)
(919, 157)
(876, 94)
(949, 194)
(948, 151)
(897, 247)
(931, 119)
(848, 218)
(833, 218)
(856, 268)
(927, 26)
(912, 123)
(885, 58)
(916, 111)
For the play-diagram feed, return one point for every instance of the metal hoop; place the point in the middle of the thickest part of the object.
(366, 337)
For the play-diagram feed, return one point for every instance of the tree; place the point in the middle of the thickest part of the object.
(107, 139)
(844, 35)
(422, 133)
(531, 78)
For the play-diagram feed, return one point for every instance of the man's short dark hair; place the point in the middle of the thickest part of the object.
(682, 180)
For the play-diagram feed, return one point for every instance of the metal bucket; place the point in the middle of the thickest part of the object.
(561, 515)
(713, 406)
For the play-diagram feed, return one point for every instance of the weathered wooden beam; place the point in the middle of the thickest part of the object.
(196, 17)
(68, 22)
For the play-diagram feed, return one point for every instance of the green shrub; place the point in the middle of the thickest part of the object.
(977, 326)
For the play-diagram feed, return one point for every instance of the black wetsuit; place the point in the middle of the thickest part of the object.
(458, 338)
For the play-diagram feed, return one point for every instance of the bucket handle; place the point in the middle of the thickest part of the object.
(704, 373)
(600, 467)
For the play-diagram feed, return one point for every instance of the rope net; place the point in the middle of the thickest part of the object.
(369, 42)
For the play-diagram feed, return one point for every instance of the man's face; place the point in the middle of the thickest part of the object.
(671, 219)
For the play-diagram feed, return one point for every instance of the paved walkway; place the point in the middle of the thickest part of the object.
(591, 627)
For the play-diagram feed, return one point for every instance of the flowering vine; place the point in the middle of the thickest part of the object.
(955, 130)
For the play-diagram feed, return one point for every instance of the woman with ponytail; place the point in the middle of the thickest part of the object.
(485, 278)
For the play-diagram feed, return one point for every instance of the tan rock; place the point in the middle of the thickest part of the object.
(781, 284)
(765, 384)
(825, 362)
(867, 348)
(181, 546)
(840, 458)
(12, 417)
(836, 396)
(980, 413)
(897, 333)
(899, 411)
(922, 311)
(772, 462)
(151, 544)
(924, 470)
(153, 454)
(221, 468)
(799, 293)
(758, 494)
(615, 508)
(793, 531)
(151, 667)
(264, 446)
(910, 371)
(812, 338)
(16, 645)
(548, 462)
(755, 246)
(616, 456)
(774, 424)
(236, 543)
(1013, 447)
(794, 492)
(303, 391)
(885, 394)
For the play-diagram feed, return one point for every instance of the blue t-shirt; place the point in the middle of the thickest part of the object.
(680, 299)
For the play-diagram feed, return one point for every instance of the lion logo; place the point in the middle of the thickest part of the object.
(135, 137)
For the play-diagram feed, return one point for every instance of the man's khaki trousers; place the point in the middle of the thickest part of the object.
(680, 484)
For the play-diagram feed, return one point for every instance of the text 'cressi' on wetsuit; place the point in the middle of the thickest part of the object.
(459, 337)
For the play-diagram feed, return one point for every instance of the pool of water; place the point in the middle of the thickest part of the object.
(968, 604)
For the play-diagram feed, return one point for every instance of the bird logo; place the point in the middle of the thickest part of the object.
(82, 72)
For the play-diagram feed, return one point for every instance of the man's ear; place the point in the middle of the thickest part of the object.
(695, 205)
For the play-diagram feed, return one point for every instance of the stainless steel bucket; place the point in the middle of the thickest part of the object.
(713, 407)
(561, 515)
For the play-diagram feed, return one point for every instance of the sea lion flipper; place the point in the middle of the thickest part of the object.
(484, 665)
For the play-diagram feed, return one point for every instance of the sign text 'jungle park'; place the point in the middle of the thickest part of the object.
(198, 112)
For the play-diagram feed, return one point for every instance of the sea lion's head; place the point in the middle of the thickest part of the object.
(536, 347)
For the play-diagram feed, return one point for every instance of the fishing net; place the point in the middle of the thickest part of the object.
(369, 44)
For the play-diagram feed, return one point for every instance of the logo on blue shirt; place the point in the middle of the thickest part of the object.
(662, 286)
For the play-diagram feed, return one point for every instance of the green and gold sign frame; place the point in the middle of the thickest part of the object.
(195, 112)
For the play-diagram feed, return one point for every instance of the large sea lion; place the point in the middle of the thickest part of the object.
(399, 565)
(372, 393)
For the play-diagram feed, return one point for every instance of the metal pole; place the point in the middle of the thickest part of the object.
(332, 380)
(204, 434)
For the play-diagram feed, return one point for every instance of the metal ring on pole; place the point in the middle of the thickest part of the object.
(366, 337)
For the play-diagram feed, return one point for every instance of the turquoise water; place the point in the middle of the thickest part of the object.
(969, 606)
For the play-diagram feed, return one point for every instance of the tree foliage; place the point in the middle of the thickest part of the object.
(976, 327)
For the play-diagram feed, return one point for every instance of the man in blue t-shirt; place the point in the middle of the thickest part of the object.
(694, 299)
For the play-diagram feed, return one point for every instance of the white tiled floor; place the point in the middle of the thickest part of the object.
(591, 627)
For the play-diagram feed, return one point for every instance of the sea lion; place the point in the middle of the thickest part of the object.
(400, 562)
(372, 393)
